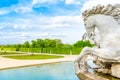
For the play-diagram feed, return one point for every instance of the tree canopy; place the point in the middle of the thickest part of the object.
(48, 43)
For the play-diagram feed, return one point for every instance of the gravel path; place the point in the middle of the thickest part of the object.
(6, 63)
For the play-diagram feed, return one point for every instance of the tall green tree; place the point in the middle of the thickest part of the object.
(47, 42)
(82, 44)
(59, 43)
(18, 46)
(52, 43)
(33, 45)
(40, 43)
(26, 44)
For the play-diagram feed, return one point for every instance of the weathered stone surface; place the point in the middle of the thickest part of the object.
(85, 75)
(115, 69)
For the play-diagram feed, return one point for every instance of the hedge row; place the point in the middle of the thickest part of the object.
(48, 50)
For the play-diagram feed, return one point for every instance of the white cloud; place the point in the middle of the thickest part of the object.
(44, 1)
(25, 9)
(77, 2)
(45, 22)
(62, 27)
(63, 22)
(31, 26)
(3, 11)
(17, 8)
(28, 8)
(1, 26)
(90, 3)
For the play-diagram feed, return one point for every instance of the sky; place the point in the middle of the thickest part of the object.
(26, 20)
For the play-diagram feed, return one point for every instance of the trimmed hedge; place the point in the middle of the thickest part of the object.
(68, 51)
(10, 49)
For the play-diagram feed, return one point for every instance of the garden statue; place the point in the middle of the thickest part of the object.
(102, 24)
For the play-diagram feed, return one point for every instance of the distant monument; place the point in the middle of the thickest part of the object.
(101, 22)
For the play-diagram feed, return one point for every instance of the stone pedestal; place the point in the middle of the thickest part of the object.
(115, 70)
(85, 75)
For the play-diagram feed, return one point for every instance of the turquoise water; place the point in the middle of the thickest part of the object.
(55, 71)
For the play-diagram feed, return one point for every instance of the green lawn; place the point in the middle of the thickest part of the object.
(33, 57)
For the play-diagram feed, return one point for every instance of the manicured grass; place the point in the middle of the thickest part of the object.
(33, 57)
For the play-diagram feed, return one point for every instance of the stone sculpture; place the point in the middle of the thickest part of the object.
(106, 53)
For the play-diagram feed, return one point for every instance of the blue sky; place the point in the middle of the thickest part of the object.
(25, 20)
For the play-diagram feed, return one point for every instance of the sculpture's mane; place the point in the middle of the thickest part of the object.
(112, 10)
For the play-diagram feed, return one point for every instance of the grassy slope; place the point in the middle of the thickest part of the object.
(33, 57)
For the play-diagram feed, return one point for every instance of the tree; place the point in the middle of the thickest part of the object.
(79, 43)
(40, 43)
(33, 45)
(18, 47)
(52, 43)
(2, 47)
(59, 43)
(47, 42)
(87, 42)
(27, 44)
(82, 43)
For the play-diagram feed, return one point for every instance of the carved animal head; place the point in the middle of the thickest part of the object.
(112, 10)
